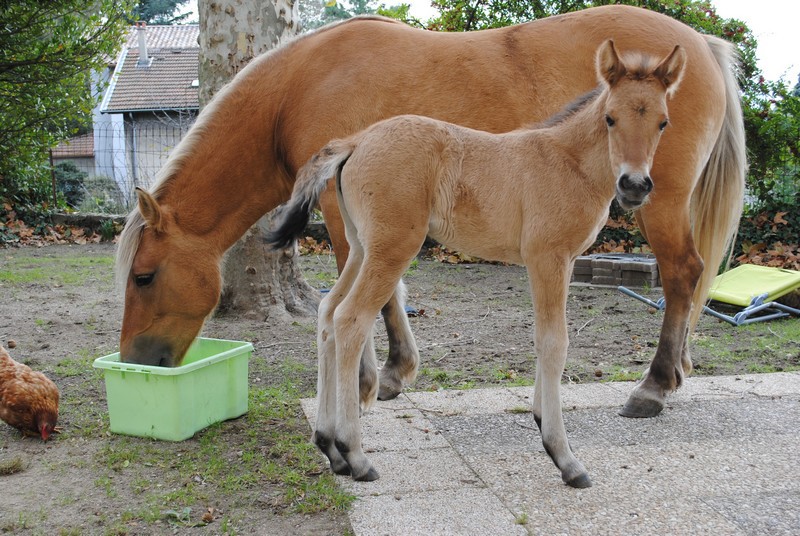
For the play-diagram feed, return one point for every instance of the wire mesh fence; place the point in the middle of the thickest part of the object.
(97, 172)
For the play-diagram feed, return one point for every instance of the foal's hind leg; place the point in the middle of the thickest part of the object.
(401, 365)
(680, 266)
(353, 321)
(549, 280)
(325, 428)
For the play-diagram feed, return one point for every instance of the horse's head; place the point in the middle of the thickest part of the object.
(171, 286)
(636, 115)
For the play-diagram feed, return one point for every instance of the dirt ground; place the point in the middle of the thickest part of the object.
(475, 331)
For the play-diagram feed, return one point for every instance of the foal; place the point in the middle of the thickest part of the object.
(409, 177)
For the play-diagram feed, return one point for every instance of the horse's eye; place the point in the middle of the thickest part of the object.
(609, 121)
(663, 124)
(143, 280)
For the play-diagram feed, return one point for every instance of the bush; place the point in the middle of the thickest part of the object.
(102, 196)
(69, 181)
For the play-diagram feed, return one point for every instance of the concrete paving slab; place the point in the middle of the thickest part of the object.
(413, 471)
(451, 512)
(722, 458)
(468, 401)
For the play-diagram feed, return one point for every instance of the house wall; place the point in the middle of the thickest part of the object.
(131, 148)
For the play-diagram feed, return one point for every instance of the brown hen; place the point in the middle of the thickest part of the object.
(28, 399)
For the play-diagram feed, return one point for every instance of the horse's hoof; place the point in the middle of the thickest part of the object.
(386, 392)
(369, 476)
(581, 481)
(641, 408)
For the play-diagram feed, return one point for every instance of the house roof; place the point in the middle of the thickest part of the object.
(78, 147)
(168, 82)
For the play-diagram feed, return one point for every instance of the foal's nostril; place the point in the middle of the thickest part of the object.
(648, 185)
(625, 181)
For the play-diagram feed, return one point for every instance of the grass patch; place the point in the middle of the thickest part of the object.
(754, 348)
(268, 447)
(22, 269)
(621, 374)
(444, 379)
(12, 466)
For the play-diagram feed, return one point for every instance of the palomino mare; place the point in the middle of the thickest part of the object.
(410, 177)
(240, 158)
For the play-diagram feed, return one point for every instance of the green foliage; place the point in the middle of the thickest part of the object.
(316, 13)
(48, 52)
(69, 180)
(159, 12)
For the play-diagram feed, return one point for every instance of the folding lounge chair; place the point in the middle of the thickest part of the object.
(752, 288)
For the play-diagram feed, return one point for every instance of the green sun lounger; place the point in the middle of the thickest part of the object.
(750, 288)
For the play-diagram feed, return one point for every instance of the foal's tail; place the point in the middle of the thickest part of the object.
(718, 197)
(311, 181)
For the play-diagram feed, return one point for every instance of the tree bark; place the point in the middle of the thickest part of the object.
(258, 282)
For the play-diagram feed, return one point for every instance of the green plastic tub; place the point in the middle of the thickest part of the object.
(175, 403)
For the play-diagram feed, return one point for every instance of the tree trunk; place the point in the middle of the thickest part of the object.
(259, 282)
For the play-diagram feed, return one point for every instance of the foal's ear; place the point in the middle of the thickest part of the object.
(671, 68)
(609, 67)
(151, 212)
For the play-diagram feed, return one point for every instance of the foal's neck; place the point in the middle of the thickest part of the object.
(583, 138)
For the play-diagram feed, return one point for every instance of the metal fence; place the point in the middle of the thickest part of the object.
(121, 153)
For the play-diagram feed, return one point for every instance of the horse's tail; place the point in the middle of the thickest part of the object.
(311, 181)
(718, 198)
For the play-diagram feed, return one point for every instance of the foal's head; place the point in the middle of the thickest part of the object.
(636, 94)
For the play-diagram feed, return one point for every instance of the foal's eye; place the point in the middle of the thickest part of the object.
(663, 124)
(143, 280)
(609, 121)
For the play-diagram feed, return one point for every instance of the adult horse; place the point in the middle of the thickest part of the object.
(408, 177)
(240, 158)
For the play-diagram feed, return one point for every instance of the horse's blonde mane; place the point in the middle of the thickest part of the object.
(132, 233)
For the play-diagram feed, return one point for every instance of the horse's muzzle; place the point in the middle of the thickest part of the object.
(152, 351)
(632, 190)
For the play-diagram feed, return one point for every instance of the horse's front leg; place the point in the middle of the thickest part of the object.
(680, 267)
(549, 279)
(401, 365)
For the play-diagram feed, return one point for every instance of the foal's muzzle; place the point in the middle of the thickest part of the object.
(633, 189)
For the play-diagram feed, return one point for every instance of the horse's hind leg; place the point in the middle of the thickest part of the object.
(401, 365)
(680, 266)
(549, 282)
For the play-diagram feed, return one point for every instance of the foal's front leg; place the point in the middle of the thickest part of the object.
(549, 286)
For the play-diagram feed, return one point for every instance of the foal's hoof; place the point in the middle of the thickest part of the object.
(581, 481)
(389, 390)
(369, 476)
(641, 408)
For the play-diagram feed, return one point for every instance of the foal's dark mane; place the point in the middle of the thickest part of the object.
(567, 111)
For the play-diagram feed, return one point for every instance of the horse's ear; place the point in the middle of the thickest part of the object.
(671, 68)
(151, 212)
(609, 67)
